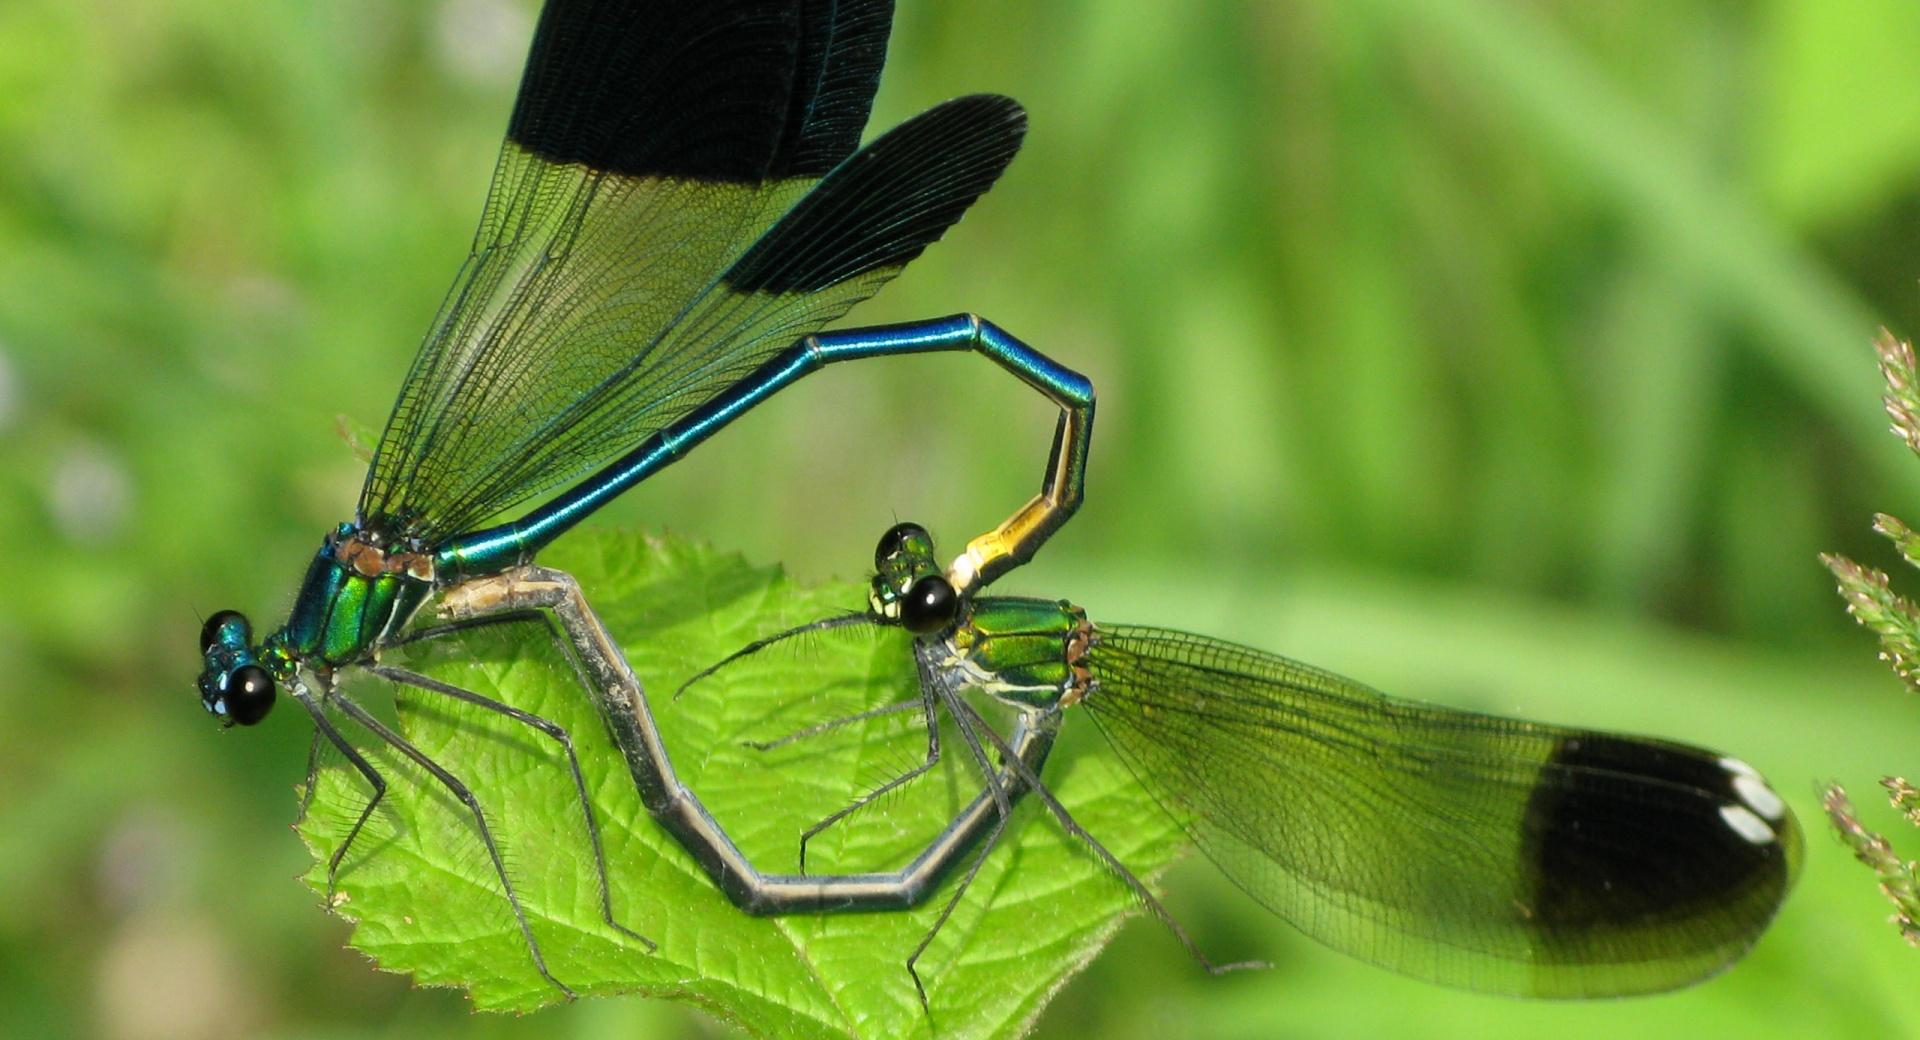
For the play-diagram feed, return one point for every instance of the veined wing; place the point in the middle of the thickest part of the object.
(650, 147)
(1476, 851)
(849, 235)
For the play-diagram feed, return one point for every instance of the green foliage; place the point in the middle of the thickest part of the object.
(425, 899)
(1497, 353)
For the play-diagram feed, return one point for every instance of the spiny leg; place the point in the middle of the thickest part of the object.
(429, 633)
(932, 760)
(560, 736)
(571, 653)
(531, 591)
(1067, 823)
(966, 723)
(625, 708)
(928, 706)
(313, 772)
(542, 588)
(931, 685)
(598, 660)
(821, 625)
(379, 783)
(466, 797)
(896, 708)
(932, 692)
(966, 881)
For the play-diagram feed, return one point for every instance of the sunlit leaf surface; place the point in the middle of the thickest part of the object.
(425, 899)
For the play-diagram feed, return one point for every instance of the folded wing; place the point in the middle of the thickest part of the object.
(1475, 851)
(645, 239)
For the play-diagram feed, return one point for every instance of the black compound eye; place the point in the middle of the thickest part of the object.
(249, 694)
(895, 540)
(929, 606)
(210, 632)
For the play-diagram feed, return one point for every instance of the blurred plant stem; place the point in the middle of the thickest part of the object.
(1894, 618)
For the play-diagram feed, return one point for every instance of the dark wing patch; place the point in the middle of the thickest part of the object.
(843, 43)
(1488, 853)
(652, 148)
(888, 202)
(1607, 839)
(698, 90)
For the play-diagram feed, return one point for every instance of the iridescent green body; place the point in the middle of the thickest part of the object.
(1030, 653)
(1489, 853)
(1025, 652)
(682, 202)
(341, 612)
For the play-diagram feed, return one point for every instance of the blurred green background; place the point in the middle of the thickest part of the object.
(1511, 354)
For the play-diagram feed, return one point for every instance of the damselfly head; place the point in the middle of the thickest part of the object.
(909, 589)
(233, 685)
(905, 544)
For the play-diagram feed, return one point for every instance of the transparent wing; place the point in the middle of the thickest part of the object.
(836, 246)
(588, 277)
(1471, 850)
(649, 149)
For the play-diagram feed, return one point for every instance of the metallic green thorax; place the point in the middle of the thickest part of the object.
(353, 596)
(1493, 854)
(1029, 653)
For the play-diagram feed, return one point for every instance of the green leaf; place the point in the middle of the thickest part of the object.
(425, 900)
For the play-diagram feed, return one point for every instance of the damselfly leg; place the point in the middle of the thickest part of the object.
(453, 784)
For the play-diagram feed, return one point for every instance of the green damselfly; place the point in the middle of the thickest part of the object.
(1472, 850)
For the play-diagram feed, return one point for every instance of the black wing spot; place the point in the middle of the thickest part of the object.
(1624, 833)
(890, 200)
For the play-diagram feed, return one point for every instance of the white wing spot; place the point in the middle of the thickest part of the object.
(1747, 825)
(1755, 792)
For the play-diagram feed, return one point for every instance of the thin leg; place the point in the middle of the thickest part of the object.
(560, 736)
(466, 797)
(313, 772)
(429, 633)
(822, 625)
(965, 724)
(930, 682)
(566, 649)
(932, 759)
(924, 703)
(896, 708)
(966, 881)
(603, 662)
(599, 664)
(1073, 828)
(322, 727)
(560, 643)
